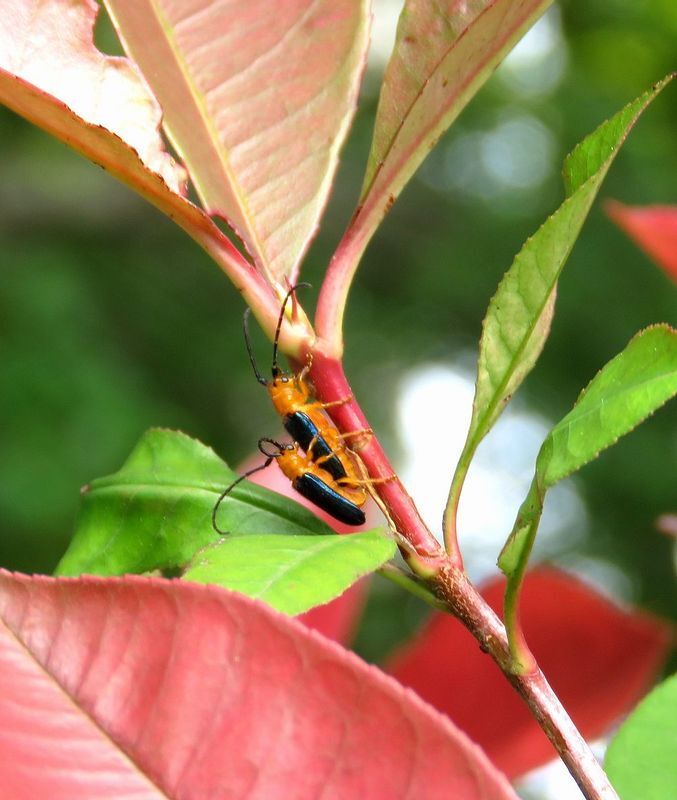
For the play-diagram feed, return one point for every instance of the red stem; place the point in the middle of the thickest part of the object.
(330, 382)
(334, 291)
(444, 575)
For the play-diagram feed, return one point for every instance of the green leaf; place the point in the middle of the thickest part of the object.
(517, 323)
(155, 512)
(627, 390)
(641, 761)
(291, 573)
(600, 147)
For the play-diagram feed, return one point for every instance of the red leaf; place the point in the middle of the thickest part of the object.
(153, 688)
(652, 228)
(599, 660)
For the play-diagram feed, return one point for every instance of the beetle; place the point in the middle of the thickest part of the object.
(309, 479)
(303, 418)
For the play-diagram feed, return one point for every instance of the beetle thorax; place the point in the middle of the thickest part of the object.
(291, 463)
(287, 396)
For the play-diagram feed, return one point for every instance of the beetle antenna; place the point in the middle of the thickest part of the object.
(250, 349)
(279, 445)
(230, 488)
(276, 369)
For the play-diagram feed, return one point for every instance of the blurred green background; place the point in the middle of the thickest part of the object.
(113, 321)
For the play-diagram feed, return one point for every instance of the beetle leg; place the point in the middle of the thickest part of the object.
(363, 435)
(355, 482)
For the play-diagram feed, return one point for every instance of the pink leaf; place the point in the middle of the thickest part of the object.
(258, 100)
(444, 53)
(653, 228)
(49, 45)
(150, 688)
(598, 658)
(51, 73)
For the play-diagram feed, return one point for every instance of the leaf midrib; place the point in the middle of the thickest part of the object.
(106, 735)
(614, 397)
(220, 150)
(420, 92)
(301, 556)
(499, 392)
(252, 501)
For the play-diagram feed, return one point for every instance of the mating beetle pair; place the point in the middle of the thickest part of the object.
(326, 472)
